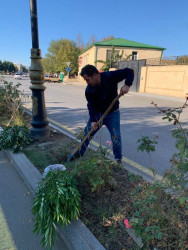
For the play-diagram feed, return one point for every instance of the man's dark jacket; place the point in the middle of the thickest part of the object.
(100, 97)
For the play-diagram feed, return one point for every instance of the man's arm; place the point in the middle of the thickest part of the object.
(129, 77)
(124, 90)
(92, 115)
(121, 74)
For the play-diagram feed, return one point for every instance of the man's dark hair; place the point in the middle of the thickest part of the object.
(89, 70)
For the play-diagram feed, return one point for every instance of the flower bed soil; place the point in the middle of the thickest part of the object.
(102, 212)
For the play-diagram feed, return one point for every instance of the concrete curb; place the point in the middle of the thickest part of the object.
(76, 236)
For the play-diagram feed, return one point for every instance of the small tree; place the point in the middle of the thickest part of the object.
(24, 69)
(7, 66)
(182, 60)
(108, 38)
(60, 52)
(114, 58)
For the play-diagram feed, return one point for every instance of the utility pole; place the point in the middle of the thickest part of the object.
(39, 121)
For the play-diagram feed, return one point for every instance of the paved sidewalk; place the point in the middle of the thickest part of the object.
(16, 220)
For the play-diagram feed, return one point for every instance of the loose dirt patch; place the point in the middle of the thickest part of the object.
(102, 212)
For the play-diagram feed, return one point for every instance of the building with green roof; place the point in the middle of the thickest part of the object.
(102, 51)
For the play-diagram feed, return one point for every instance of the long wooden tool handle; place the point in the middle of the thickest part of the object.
(98, 123)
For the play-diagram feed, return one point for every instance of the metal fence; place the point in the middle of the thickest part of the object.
(175, 60)
(153, 61)
(167, 60)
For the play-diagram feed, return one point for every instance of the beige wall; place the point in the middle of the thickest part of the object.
(88, 57)
(99, 53)
(165, 80)
(142, 53)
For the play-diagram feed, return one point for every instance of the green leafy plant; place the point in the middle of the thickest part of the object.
(134, 178)
(114, 58)
(148, 144)
(96, 172)
(9, 94)
(15, 138)
(11, 99)
(157, 215)
(57, 200)
(177, 174)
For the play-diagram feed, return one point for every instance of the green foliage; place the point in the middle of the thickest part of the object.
(15, 138)
(60, 52)
(96, 172)
(23, 68)
(177, 174)
(182, 59)
(57, 200)
(156, 214)
(147, 144)
(10, 102)
(9, 97)
(7, 66)
(134, 178)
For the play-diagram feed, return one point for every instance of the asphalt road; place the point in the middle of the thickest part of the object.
(66, 104)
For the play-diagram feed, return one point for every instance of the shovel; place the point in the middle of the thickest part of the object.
(92, 130)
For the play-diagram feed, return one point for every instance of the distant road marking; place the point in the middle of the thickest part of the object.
(6, 241)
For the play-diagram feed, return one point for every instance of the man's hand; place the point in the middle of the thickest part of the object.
(94, 125)
(124, 89)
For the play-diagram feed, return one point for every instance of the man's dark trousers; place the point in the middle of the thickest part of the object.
(112, 122)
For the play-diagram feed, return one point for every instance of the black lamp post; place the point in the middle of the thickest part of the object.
(39, 121)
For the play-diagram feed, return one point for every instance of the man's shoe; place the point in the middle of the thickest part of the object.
(75, 156)
(120, 164)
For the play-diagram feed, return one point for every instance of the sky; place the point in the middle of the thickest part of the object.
(162, 23)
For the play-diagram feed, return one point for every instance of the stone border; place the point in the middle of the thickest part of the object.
(76, 236)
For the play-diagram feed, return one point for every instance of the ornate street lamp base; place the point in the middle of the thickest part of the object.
(39, 133)
(39, 121)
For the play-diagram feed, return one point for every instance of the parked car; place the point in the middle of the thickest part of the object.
(51, 78)
(17, 76)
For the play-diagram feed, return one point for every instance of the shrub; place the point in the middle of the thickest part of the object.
(158, 217)
(15, 138)
(9, 96)
(159, 211)
(96, 172)
(57, 200)
(10, 102)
